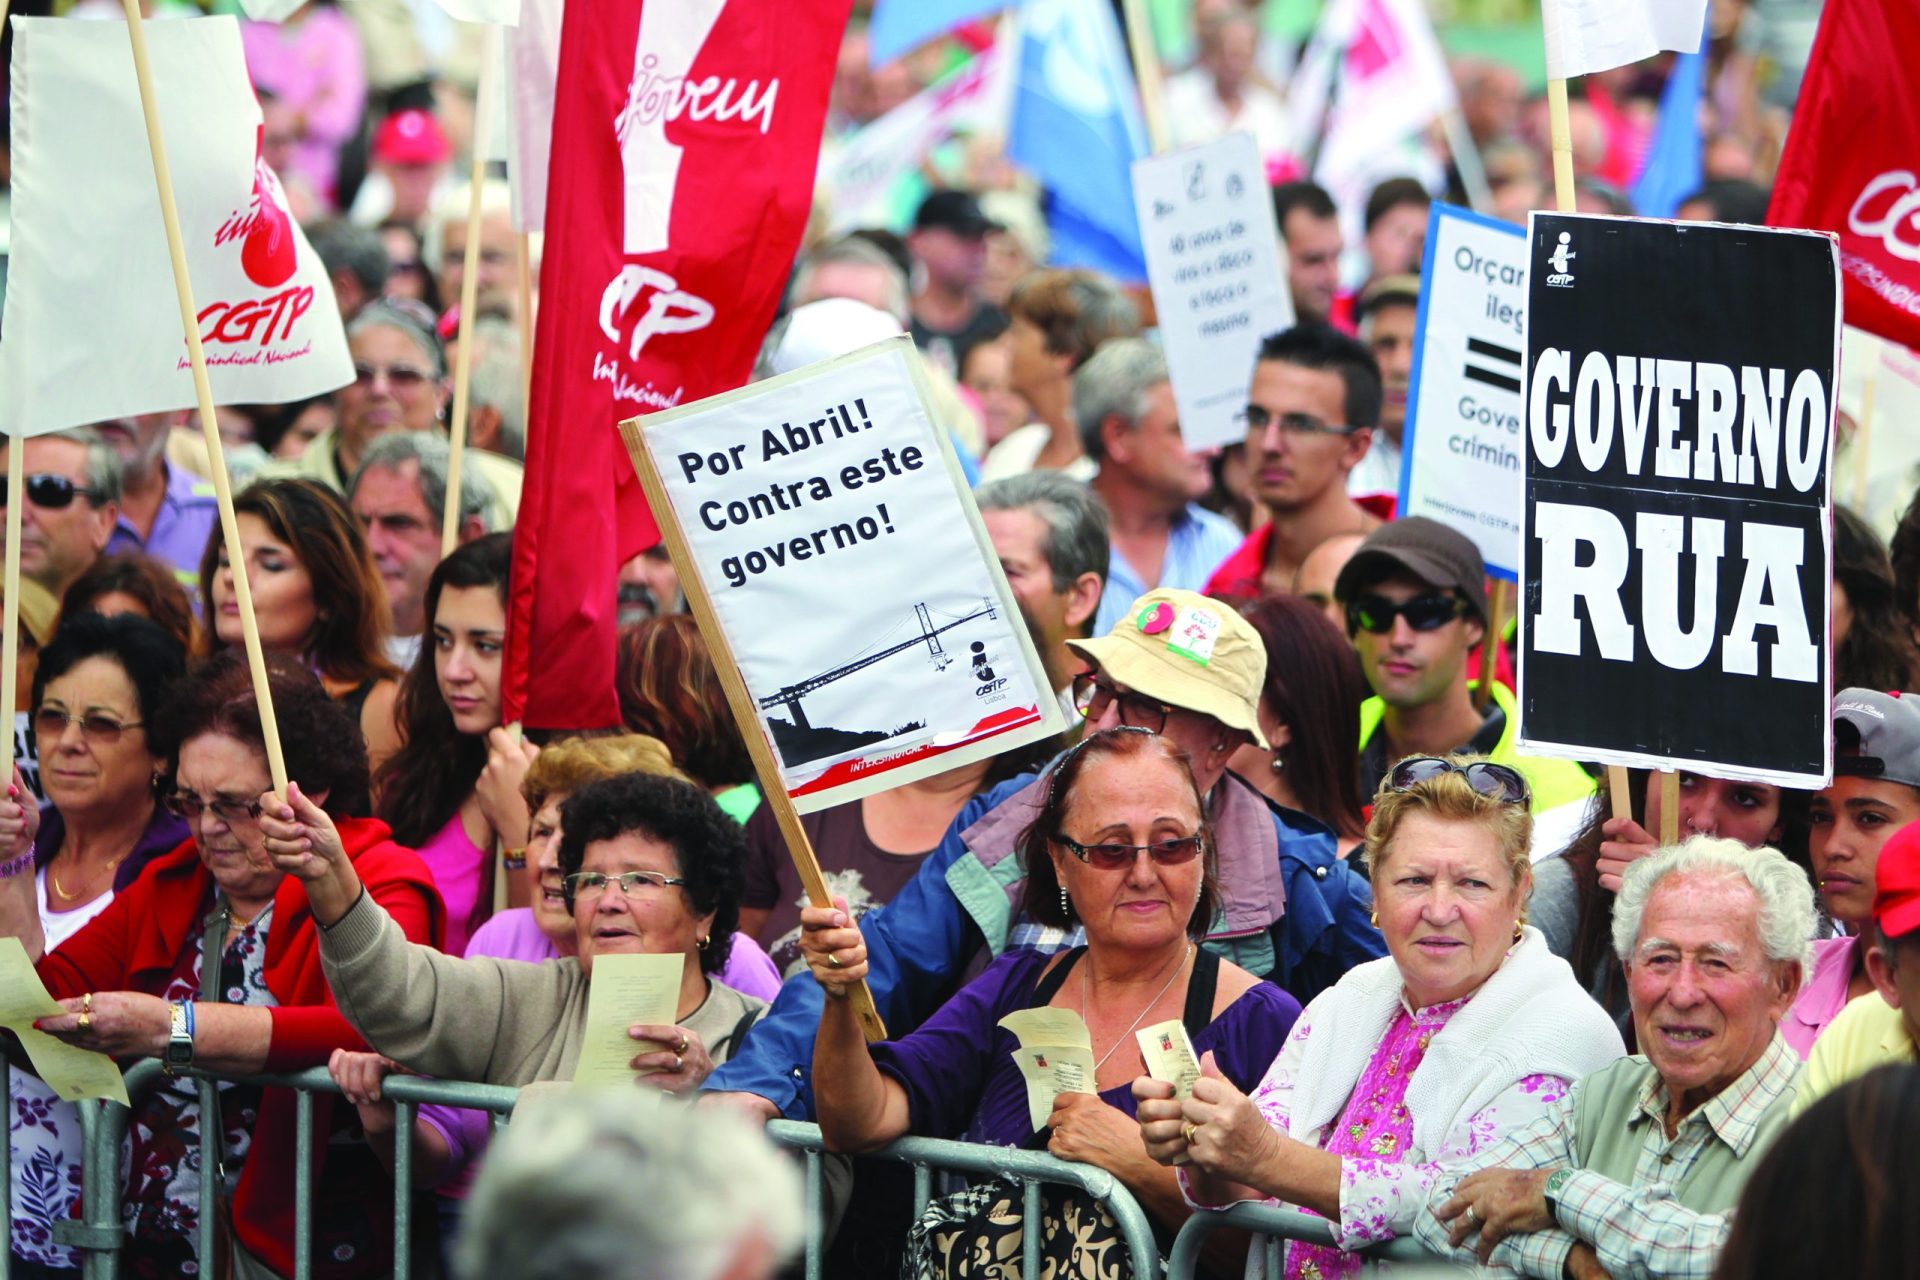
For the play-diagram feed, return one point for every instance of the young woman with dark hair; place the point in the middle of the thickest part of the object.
(453, 787)
(316, 595)
(1873, 645)
(135, 584)
(1308, 709)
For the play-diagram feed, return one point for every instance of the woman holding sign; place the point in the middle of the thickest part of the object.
(1120, 846)
(650, 866)
(134, 985)
(1466, 1031)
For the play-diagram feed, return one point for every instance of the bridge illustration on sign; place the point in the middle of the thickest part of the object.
(801, 741)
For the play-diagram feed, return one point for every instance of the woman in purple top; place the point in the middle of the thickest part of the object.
(1121, 847)
(453, 787)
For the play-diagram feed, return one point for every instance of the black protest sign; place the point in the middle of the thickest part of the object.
(1676, 552)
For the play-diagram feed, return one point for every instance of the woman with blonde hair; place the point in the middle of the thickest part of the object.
(1464, 1032)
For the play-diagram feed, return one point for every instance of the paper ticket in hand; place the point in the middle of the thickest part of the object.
(1055, 1057)
(71, 1073)
(627, 991)
(1169, 1056)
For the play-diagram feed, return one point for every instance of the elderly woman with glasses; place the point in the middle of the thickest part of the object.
(208, 959)
(1466, 1031)
(649, 865)
(1120, 847)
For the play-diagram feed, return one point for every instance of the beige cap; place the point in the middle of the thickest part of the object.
(1187, 651)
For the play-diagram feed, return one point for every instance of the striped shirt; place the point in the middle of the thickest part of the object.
(1637, 1228)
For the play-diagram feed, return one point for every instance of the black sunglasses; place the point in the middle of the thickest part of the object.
(54, 492)
(1376, 613)
(1496, 781)
(1118, 857)
(1091, 695)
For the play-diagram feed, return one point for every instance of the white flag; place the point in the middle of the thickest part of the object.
(92, 328)
(501, 12)
(533, 68)
(1585, 36)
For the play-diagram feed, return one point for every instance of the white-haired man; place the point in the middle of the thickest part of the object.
(1636, 1171)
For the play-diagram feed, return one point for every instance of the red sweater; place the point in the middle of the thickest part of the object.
(135, 944)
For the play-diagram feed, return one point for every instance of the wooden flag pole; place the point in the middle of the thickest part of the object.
(1562, 131)
(1863, 429)
(203, 392)
(469, 282)
(1490, 643)
(10, 610)
(1146, 73)
(740, 701)
(523, 265)
(1669, 807)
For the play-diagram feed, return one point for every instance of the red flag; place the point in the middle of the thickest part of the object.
(685, 138)
(1841, 173)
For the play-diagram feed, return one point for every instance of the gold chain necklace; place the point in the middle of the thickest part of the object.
(1086, 1000)
(54, 877)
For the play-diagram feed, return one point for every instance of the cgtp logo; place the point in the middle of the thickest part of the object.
(668, 308)
(1561, 260)
(270, 256)
(1895, 222)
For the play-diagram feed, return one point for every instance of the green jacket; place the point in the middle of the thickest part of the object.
(1554, 782)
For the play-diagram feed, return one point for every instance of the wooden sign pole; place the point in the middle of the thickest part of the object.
(203, 392)
(469, 282)
(740, 701)
(1146, 73)
(1490, 643)
(1669, 807)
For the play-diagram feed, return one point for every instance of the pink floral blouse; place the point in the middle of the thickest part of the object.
(1384, 1178)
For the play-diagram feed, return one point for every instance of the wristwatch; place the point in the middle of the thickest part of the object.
(1551, 1191)
(179, 1035)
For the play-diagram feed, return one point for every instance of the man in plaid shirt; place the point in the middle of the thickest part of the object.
(1636, 1171)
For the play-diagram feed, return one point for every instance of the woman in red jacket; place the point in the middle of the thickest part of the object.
(131, 980)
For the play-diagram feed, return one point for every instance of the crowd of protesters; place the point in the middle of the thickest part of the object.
(1440, 993)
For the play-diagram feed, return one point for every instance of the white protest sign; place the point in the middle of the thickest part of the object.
(1461, 464)
(1213, 262)
(830, 525)
(93, 327)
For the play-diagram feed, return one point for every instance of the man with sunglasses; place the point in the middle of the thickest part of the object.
(1310, 416)
(1177, 664)
(1415, 601)
(73, 501)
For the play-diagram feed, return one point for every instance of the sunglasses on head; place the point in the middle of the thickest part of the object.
(1376, 613)
(1496, 781)
(56, 492)
(1118, 857)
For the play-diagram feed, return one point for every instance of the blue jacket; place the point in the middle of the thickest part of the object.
(1291, 911)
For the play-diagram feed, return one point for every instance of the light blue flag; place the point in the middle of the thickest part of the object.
(1077, 129)
(1672, 171)
(901, 26)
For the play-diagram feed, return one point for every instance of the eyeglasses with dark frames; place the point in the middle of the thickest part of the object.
(1118, 857)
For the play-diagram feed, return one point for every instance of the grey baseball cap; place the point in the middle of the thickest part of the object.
(1877, 735)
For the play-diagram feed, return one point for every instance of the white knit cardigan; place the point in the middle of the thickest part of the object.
(1532, 1017)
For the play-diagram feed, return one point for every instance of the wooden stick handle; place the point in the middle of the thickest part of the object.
(1490, 643)
(10, 611)
(469, 283)
(1562, 129)
(1669, 807)
(523, 266)
(740, 701)
(203, 392)
(1146, 73)
(1622, 802)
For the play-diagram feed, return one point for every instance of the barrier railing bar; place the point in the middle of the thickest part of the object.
(815, 1197)
(302, 1185)
(1030, 1229)
(402, 1190)
(210, 1159)
(6, 1171)
(1028, 1167)
(922, 1189)
(1276, 1224)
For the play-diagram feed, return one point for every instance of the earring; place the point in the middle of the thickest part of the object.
(1066, 903)
(1376, 917)
(706, 942)
(1278, 763)
(1519, 930)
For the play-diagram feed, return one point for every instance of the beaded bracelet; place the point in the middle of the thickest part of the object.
(17, 866)
(515, 859)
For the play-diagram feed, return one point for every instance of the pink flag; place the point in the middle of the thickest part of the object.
(91, 319)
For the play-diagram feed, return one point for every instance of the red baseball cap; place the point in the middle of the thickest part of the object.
(412, 136)
(1896, 878)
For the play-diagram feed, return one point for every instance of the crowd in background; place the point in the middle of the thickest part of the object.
(1442, 993)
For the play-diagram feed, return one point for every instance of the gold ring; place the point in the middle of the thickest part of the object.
(833, 959)
(682, 1046)
(86, 1020)
(86, 1003)
(1187, 1131)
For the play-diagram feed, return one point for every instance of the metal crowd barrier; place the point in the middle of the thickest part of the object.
(98, 1235)
(1272, 1226)
(1032, 1169)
